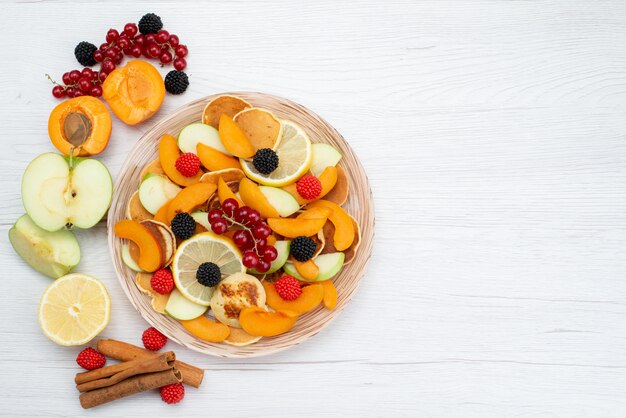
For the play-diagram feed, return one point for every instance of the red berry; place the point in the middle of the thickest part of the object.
(249, 259)
(153, 340)
(74, 76)
(58, 91)
(102, 76)
(261, 231)
(263, 266)
(180, 64)
(219, 227)
(70, 91)
(104, 46)
(269, 253)
(98, 56)
(87, 72)
(96, 91)
(214, 215)
(110, 53)
(173, 40)
(135, 51)
(90, 359)
(181, 51)
(151, 37)
(166, 57)
(139, 40)
(241, 214)
(188, 164)
(254, 217)
(153, 50)
(173, 393)
(309, 187)
(112, 35)
(288, 287)
(108, 66)
(78, 93)
(66, 78)
(124, 43)
(85, 84)
(240, 238)
(162, 36)
(130, 29)
(229, 206)
(162, 281)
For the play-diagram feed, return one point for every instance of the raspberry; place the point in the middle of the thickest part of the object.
(309, 187)
(302, 248)
(162, 281)
(153, 340)
(188, 164)
(90, 359)
(288, 287)
(172, 393)
(183, 225)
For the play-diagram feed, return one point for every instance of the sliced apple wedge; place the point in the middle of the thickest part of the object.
(284, 203)
(324, 155)
(183, 309)
(128, 259)
(200, 133)
(329, 265)
(155, 191)
(59, 191)
(202, 218)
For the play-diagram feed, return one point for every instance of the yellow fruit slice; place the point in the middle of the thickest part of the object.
(234, 138)
(203, 248)
(253, 197)
(74, 309)
(224, 192)
(214, 160)
(293, 227)
(294, 158)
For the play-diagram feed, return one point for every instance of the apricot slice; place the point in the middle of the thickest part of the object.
(162, 213)
(261, 127)
(203, 328)
(293, 227)
(135, 209)
(189, 198)
(134, 92)
(307, 269)
(82, 124)
(344, 228)
(328, 178)
(253, 197)
(339, 193)
(312, 213)
(224, 192)
(168, 154)
(234, 138)
(330, 294)
(228, 105)
(257, 321)
(214, 160)
(150, 256)
(310, 298)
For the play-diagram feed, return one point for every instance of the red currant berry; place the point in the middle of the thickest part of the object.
(124, 43)
(180, 64)
(135, 51)
(104, 46)
(70, 91)
(74, 76)
(214, 215)
(240, 238)
(66, 78)
(139, 40)
(241, 214)
(229, 206)
(112, 35)
(96, 91)
(58, 91)
(263, 266)
(162, 36)
(102, 76)
(150, 37)
(85, 84)
(108, 66)
(130, 29)
(153, 50)
(181, 51)
(173, 40)
(250, 259)
(269, 253)
(87, 72)
(261, 231)
(98, 56)
(166, 57)
(254, 217)
(110, 53)
(260, 245)
(118, 58)
(219, 227)
(78, 93)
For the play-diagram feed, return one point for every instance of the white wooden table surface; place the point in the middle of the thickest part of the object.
(494, 135)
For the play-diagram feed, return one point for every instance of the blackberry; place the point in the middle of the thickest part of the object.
(176, 82)
(208, 274)
(183, 225)
(150, 23)
(265, 160)
(84, 53)
(302, 248)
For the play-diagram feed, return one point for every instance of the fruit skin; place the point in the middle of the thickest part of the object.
(202, 327)
(168, 154)
(134, 92)
(327, 179)
(329, 265)
(344, 227)
(153, 340)
(84, 53)
(176, 82)
(183, 225)
(303, 248)
(162, 281)
(252, 196)
(309, 299)
(291, 228)
(95, 112)
(257, 321)
(51, 253)
(330, 294)
(90, 359)
(265, 160)
(215, 160)
(181, 308)
(309, 187)
(150, 253)
(287, 287)
(173, 393)
(188, 164)
(150, 23)
(234, 138)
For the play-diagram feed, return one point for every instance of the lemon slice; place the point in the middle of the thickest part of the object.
(203, 248)
(74, 309)
(294, 158)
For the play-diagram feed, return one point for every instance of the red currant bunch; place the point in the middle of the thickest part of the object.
(250, 235)
(78, 83)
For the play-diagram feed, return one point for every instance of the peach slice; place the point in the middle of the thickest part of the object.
(168, 154)
(330, 294)
(307, 269)
(252, 196)
(234, 138)
(292, 227)
(158, 300)
(339, 193)
(150, 256)
(214, 160)
(328, 178)
(135, 209)
(261, 127)
(189, 198)
(153, 167)
(224, 192)
(228, 105)
(344, 228)
(161, 215)
(329, 232)
(257, 321)
(205, 329)
(313, 213)
(310, 298)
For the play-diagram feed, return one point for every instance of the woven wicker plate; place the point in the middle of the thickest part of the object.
(359, 205)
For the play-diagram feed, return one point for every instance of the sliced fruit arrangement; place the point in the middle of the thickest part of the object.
(249, 212)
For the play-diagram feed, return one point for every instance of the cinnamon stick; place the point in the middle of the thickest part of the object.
(119, 350)
(128, 387)
(110, 375)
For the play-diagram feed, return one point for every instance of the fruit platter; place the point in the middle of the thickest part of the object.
(241, 224)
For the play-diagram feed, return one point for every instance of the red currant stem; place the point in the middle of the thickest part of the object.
(54, 82)
(232, 220)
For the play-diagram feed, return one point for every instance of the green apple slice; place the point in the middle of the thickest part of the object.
(51, 253)
(329, 265)
(202, 218)
(284, 203)
(128, 260)
(183, 309)
(155, 191)
(191, 135)
(283, 254)
(324, 155)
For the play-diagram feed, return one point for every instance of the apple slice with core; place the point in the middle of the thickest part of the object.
(60, 191)
(155, 191)
(183, 309)
(329, 265)
(200, 133)
(51, 253)
(284, 203)
(324, 155)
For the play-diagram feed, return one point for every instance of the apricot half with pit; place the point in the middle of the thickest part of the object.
(82, 124)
